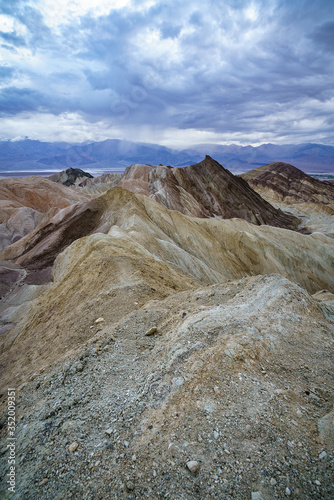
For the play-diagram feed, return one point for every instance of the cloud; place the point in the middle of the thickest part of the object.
(6, 73)
(223, 70)
(324, 36)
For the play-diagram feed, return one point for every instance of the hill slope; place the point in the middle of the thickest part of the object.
(290, 189)
(147, 252)
(283, 182)
(25, 203)
(205, 189)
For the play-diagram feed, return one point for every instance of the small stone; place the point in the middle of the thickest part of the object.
(73, 447)
(193, 465)
(317, 483)
(290, 444)
(126, 444)
(134, 458)
(273, 481)
(130, 485)
(216, 434)
(322, 455)
(99, 320)
(257, 495)
(288, 491)
(109, 432)
(151, 331)
(43, 482)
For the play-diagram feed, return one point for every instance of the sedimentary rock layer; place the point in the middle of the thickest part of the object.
(283, 182)
(204, 190)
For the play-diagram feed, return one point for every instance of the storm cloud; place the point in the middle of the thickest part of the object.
(175, 73)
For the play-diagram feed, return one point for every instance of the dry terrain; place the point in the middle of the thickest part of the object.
(166, 342)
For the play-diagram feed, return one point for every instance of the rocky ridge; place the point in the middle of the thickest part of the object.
(101, 184)
(283, 182)
(70, 176)
(234, 384)
(205, 189)
(288, 188)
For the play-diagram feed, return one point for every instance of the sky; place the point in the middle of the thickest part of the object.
(175, 73)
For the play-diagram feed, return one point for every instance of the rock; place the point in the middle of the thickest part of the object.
(193, 466)
(109, 432)
(99, 320)
(126, 444)
(257, 495)
(43, 482)
(130, 486)
(273, 481)
(73, 447)
(216, 434)
(326, 430)
(71, 176)
(151, 331)
(79, 367)
(317, 483)
(322, 455)
(288, 491)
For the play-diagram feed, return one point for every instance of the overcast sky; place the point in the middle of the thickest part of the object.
(173, 72)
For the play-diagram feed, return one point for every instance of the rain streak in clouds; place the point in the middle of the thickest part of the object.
(173, 73)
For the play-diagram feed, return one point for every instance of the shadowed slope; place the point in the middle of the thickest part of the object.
(283, 182)
(205, 189)
(25, 203)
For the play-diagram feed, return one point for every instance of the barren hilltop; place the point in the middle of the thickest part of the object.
(169, 334)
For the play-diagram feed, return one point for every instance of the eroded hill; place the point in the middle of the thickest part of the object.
(206, 189)
(288, 188)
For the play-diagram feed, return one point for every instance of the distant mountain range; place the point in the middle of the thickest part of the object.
(28, 157)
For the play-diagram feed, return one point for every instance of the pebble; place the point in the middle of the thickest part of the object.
(151, 331)
(43, 482)
(130, 486)
(273, 481)
(109, 432)
(126, 444)
(193, 465)
(257, 495)
(287, 491)
(317, 483)
(322, 455)
(73, 447)
(216, 434)
(99, 320)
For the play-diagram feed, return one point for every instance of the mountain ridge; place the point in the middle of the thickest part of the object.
(116, 155)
